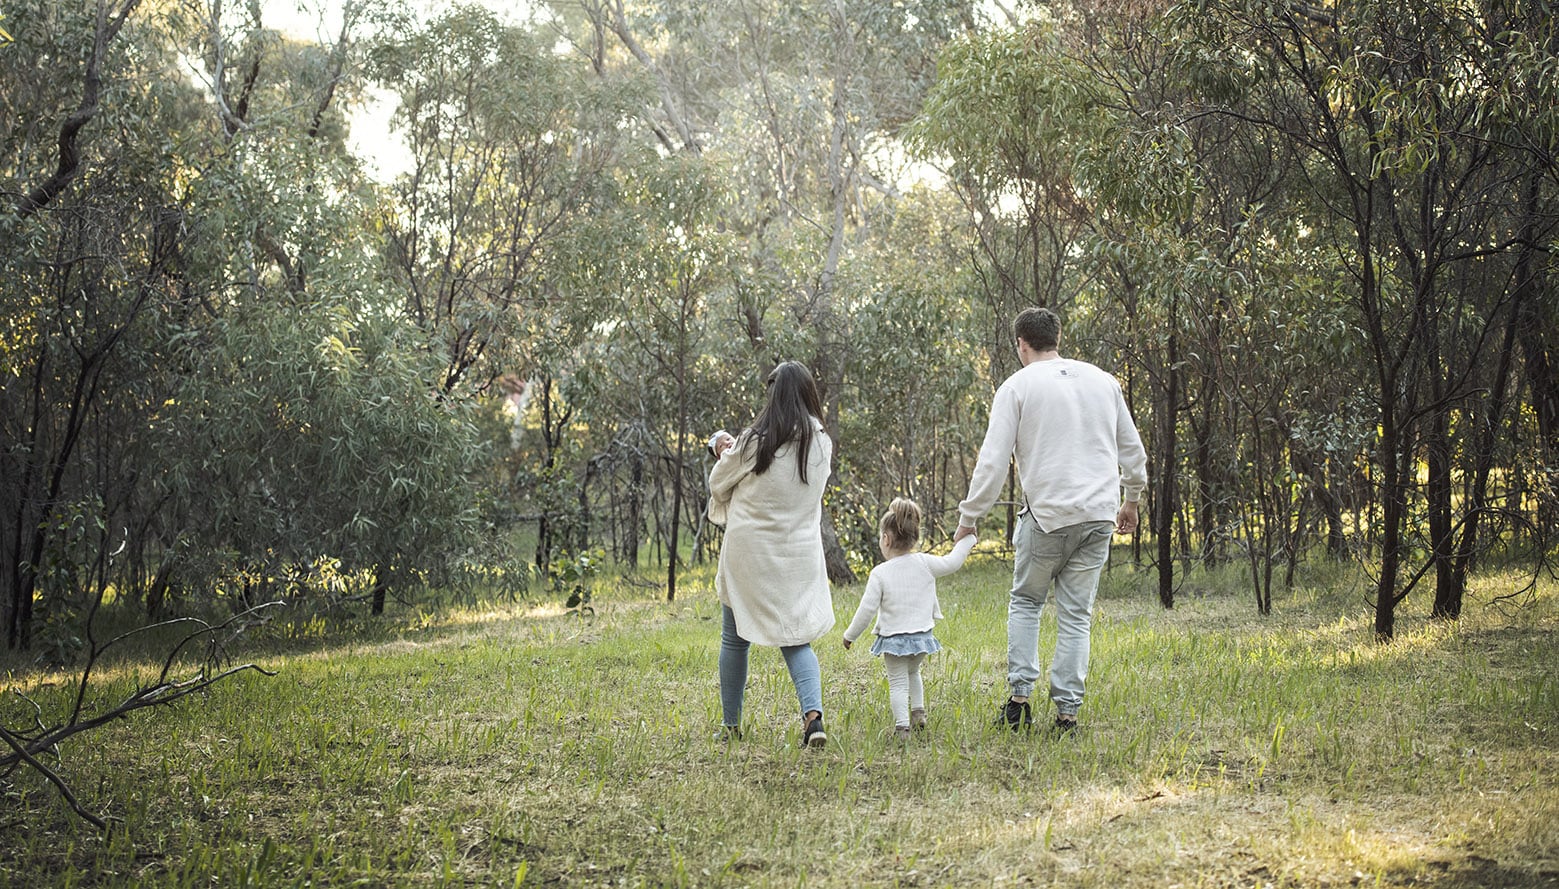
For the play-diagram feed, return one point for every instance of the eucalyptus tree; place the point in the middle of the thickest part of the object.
(1008, 117)
(1388, 113)
(1169, 241)
(321, 446)
(652, 265)
(323, 435)
(89, 256)
(1077, 210)
(801, 104)
(199, 376)
(1252, 337)
(510, 144)
(281, 105)
(214, 240)
(915, 393)
(1089, 198)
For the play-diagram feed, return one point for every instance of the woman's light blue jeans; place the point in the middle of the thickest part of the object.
(801, 660)
(1069, 559)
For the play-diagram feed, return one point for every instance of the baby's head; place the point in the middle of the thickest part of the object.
(900, 526)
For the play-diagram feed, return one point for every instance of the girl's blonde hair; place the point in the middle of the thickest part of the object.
(901, 522)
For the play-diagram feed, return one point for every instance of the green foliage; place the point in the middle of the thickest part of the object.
(227, 349)
(511, 146)
(320, 437)
(1009, 107)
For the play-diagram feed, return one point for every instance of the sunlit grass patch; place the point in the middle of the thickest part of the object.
(488, 744)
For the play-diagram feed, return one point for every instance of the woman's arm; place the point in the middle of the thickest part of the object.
(733, 465)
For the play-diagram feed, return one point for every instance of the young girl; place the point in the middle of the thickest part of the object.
(901, 594)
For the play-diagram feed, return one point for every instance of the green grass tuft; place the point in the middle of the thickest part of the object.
(518, 745)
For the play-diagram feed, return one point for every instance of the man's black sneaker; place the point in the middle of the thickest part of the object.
(1065, 725)
(1015, 715)
(813, 735)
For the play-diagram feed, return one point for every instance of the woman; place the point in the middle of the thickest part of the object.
(767, 489)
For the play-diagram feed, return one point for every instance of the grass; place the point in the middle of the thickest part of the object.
(521, 746)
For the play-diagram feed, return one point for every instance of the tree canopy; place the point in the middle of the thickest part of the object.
(1314, 242)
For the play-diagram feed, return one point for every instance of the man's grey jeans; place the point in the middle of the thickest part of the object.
(1069, 559)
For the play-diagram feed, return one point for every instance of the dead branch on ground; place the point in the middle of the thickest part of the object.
(30, 745)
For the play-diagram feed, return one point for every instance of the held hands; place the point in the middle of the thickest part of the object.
(962, 532)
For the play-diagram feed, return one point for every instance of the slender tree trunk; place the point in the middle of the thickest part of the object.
(1012, 498)
(1313, 469)
(1438, 453)
(1331, 507)
(380, 591)
(36, 510)
(1395, 466)
(1209, 517)
(1538, 332)
(823, 311)
(677, 487)
(635, 512)
(1260, 527)
(1448, 600)
(1163, 516)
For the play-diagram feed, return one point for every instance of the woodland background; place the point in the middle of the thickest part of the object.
(1314, 241)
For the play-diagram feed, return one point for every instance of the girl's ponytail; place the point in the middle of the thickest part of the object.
(901, 523)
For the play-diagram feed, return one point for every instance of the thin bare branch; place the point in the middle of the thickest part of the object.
(59, 784)
(619, 26)
(26, 746)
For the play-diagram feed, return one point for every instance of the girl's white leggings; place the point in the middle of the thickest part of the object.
(905, 691)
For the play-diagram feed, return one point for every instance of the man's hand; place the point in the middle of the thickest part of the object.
(962, 532)
(1126, 518)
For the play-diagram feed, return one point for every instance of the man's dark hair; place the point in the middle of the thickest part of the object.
(1040, 328)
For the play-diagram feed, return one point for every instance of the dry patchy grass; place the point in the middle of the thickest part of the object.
(522, 745)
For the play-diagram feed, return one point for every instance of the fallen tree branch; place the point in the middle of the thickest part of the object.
(27, 745)
(26, 756)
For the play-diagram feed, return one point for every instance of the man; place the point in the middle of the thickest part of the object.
(1066, 423)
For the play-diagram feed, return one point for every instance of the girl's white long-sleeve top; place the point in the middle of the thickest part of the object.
(901, 592)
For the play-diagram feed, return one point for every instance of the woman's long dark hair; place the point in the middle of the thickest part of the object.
(787, 416)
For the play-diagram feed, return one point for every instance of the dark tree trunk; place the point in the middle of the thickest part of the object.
(676, 504)
(1438, 492)
(1485, 437)
(1208, 520)
(380, 589)
(635, 512)
(837, 563)
(1163, 513)
(1395, 467)
(1537, 328)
